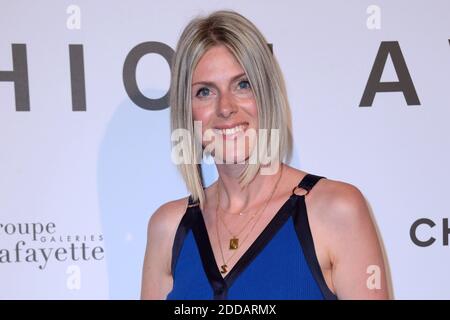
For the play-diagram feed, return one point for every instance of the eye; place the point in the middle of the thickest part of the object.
(203, 92)
(244, 84)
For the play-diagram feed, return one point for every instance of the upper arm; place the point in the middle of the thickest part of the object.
(358, 269)
(156, 273)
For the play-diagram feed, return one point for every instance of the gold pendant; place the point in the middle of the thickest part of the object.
(224, 268)
(234, 243)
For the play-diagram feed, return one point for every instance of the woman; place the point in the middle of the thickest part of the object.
(263, 230)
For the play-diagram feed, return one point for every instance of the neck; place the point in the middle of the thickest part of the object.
(233, 198)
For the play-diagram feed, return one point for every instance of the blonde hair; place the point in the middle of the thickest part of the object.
(251, 49)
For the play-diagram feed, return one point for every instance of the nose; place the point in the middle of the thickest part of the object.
(226, 105)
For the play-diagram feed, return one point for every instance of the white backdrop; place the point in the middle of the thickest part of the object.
(86, 182)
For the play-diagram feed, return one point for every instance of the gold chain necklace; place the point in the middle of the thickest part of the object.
(240, 213)
(235, 241)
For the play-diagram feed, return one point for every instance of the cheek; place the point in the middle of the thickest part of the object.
(204, 115)
(254, 110)
(200, 113)
(251, 109)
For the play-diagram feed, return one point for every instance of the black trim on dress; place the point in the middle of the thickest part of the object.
(294, 206)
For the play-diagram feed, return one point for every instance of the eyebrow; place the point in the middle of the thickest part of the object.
(209, 83)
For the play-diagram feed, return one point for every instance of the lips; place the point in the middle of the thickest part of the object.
(231, 130)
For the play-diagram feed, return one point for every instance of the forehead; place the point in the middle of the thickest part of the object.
(217, 63)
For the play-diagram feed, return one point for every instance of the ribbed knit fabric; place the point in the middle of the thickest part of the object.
(280, 264)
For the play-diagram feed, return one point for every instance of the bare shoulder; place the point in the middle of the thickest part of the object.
(162, 226)
(344, 236)
(338, 201)
(168, 216)
(348, 236)
(331, 199)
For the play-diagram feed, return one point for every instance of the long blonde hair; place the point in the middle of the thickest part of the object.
(252, 51)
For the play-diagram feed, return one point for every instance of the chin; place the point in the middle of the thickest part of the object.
(230, 146)
(232, 155)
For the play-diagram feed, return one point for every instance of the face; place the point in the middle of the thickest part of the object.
(224, 103)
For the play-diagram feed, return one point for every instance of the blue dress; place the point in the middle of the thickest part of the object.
(281, 264)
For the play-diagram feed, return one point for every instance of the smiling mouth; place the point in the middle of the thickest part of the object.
(231, 132)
